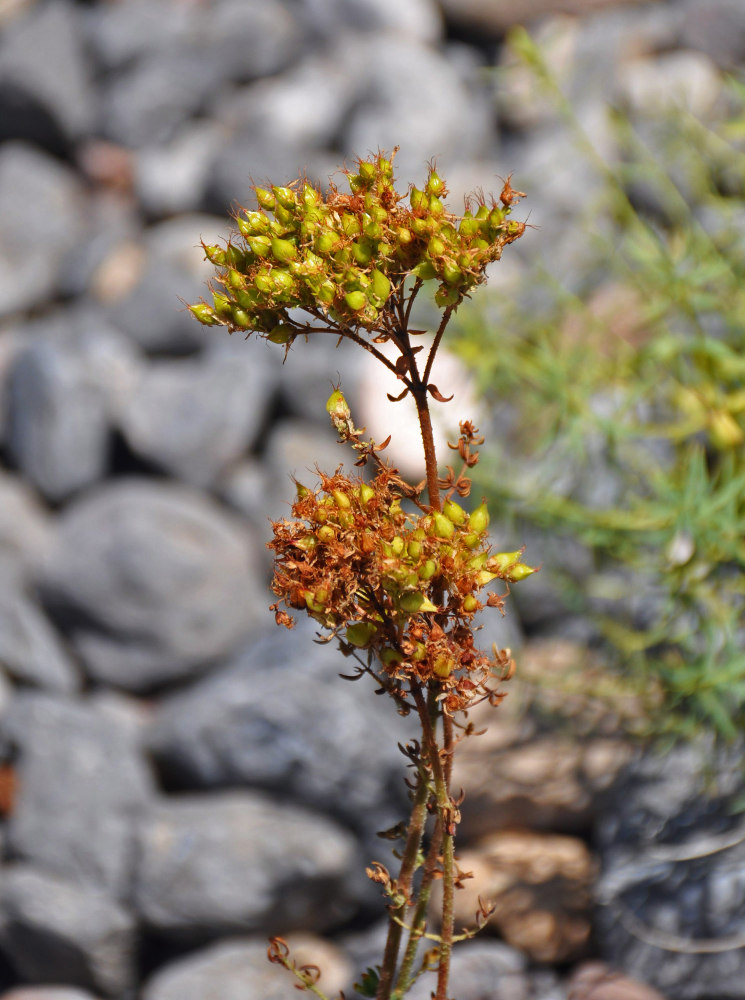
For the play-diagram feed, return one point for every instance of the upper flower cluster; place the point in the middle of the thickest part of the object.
(403, 586)
(341, 257)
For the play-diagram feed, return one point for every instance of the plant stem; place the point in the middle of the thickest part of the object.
(416, 826)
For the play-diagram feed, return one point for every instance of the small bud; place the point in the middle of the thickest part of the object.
(435, 247)
(442, 526)
(241, 317)
(362, 251)
(265, 198)
(204, 313)
(360, 633)
(260, 245)
(501, 561)
(418, 199)
(281, 334)
(341, 500)
(443, 665)
(403, 235)
(470, 603)
(326, 242)
(380, 285)
(454, 512)
(283, 250)
(469, 226)
(414, 549)
(478, 519)
(397, 545)
(519, 572)
(356, 300)
(325, 533)
(435, 184)
(223, 305)
(366, 493)
(428, 570)
(337, 407)
(285, 196)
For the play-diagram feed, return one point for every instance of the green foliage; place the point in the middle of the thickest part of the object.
(627, 403)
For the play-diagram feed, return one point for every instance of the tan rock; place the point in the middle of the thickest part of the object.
(597, 981)
(539, 886)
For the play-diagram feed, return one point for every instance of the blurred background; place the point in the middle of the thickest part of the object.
(178, 778)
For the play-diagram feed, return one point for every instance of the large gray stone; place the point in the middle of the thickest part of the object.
(279, 717)
(167, 271)
(482, 969)
(237, 862)
(52, 930)
(195, 418)
(82, 782)
(30, 650)
(671, 892)
(153, 582)
(41, 220)
(42, 60)
(230, 970)
(25, 526)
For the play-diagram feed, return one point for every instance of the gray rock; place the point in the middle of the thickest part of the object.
(46, 993)
(397, 82)
(195, 418)
(171, 178)
(670, 893)
(41, 220)
(230, 970)
(30, 650)
(119, 35)
(58, 428)
(717, 28)
(248, 39)
(279, 717)
(152, 581)
(149, 303)
(42, 63)
(82, 782)
(237, 862)
(420, 19)
(25, 527)
(52, 930)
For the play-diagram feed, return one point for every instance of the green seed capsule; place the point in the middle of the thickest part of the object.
(478, 519)
(283, 250)
(470, 603)
(454, 512)
(360, 633)
(390, 656)
(418, 200)
(380, 285)
(285, 196)
(443, 665)
(519, 572)
(424, 270)
(366, 493)
(469, 226)
(341, 500)
(281, 334)
(214, 254)
(397, 545)
(223, 304)
(362, 251)
(501, 561)
(204, 313)
(241, 318)
(435, 183)
(325, 533)
(367, 170)
(436, 247)
(308, 543)
(356, 301)
(428, 570)
(451, 272)
(414, 549)
(404, 235)
(265, 198)
(260, 245)
(442, 526)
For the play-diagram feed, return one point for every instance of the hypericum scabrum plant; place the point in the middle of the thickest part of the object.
(393, 572)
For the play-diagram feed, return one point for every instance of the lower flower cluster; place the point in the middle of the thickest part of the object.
(403, 587)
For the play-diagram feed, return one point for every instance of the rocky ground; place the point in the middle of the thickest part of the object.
(177, 778)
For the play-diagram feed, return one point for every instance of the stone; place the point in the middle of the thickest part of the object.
(25, 526)
(485, 20)
(684, 80)
(194, 418)
(30, 650)
(41, 220)
(236, 862)
(46, 993)
(53, 930)
(143, 285)
(58, 427)
(67, 753)
(717, 28)
(540, 887)
(670, 892)
(396, 81)
(278, 717)
(44, 67)
(419, 19)
(597, 981)
(231, 970)
(152, 581)
(170, 178)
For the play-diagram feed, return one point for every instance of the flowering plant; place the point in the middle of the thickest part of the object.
(393, 572)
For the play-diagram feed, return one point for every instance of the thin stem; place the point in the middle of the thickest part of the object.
(445, 825)
(405, 878)
(436, 343)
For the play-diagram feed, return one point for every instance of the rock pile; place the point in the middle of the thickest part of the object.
(177, 779)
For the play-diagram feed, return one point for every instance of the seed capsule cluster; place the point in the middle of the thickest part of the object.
(402, 586)
(342, 256)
